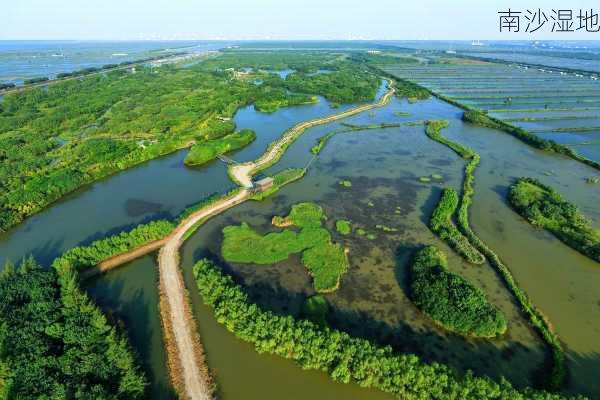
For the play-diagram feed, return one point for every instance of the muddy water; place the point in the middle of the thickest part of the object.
(564, 284)
(129, 294)
(384, 167)
(112, 205)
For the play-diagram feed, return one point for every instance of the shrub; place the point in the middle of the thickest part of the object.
(451, 300)
(544, 207)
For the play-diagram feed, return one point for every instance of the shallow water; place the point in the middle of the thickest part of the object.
(384, 166)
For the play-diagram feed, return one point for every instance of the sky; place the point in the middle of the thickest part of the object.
(281, 20)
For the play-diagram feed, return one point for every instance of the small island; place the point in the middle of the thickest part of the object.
(326, 261)
(450, 300)
(544, 207)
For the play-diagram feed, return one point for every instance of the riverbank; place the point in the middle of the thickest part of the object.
(187, 366)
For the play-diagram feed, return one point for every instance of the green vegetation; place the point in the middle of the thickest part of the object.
(482, 119)
(7, 85)
(442, 225)
(56, 139)
(451, 300)
(361, 232)
(424, 179)
(202, 153)
(344, 358)
(56, 344)
(32, 81)
(322, 141)
(343, 226)
(385, 228)
(558, 371)
(83, 257)
(411, 91)
(316, 309)
(544, 207)
(282, 99)
(349, 84)
(280, 179)
(325, 260)
(346, 183)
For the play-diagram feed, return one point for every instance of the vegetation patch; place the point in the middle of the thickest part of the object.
(451, 300)
(280, 179)
(558, 371)
(544, 207)
(442, 225)
(112, 121)
(56, 344)
(385, 228)
(204, 152)
(343, 226)
(411, 91)
(345, 358)
(346, 183)
(316, 310)
(82, 257)
(326, 261)
(349, 84)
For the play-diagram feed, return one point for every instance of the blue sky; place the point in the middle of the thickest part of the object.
(269, 19)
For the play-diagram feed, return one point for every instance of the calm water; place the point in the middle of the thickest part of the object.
(384, 167)
(20, 59)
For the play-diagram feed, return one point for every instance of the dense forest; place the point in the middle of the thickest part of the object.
(544, 207)
(54, 140)
(451, 300)
(55, 344)
(344, 358)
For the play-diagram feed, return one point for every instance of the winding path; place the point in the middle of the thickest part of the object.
(184, 350)
(242, 173)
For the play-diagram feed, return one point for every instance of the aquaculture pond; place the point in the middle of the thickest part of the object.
(386, 199)
(536, 99)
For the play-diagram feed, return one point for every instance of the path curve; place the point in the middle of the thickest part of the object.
(188, 358)
(184, 351)
(242, 173)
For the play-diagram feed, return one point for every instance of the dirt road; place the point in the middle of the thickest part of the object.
(243, 173)
(184, 351)
(196, 385)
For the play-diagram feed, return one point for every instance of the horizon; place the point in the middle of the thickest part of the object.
(160, 20)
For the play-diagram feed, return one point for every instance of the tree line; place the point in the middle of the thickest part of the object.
(345, 358)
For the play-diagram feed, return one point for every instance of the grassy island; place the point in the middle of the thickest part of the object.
(208, 151)
(326, 261)
(544, 207)
(56, 344)
(343, 226)
(450, 300)
(345, 358)
(442, 225)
